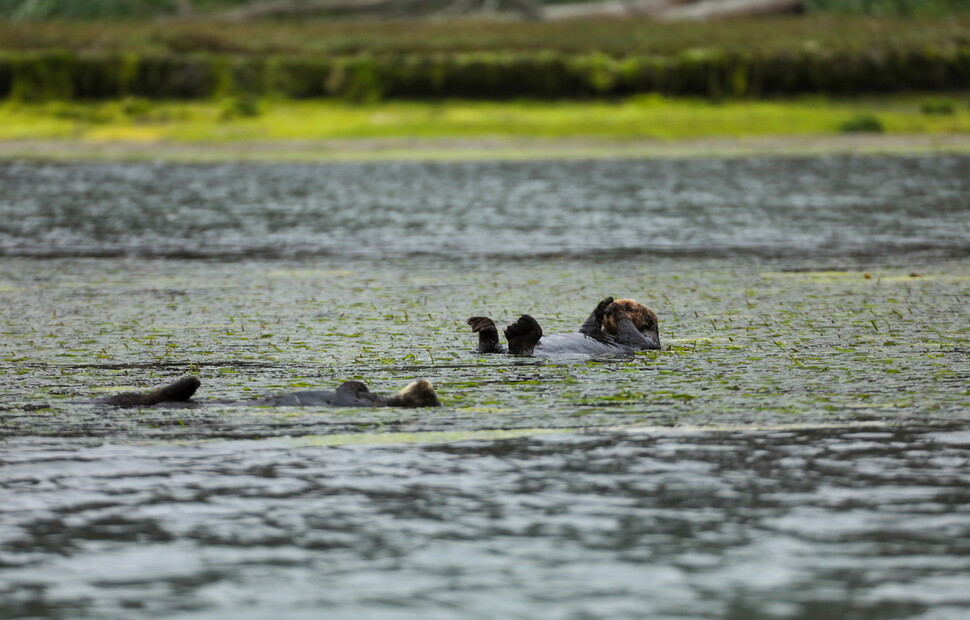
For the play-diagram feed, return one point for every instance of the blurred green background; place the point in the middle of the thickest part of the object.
(102, 9)
(147, 71)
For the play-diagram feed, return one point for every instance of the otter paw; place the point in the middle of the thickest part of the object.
(601, 306)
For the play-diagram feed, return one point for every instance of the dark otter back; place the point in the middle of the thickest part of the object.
(348, 394)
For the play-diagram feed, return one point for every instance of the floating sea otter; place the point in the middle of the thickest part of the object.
(419, 393)
(615, 326)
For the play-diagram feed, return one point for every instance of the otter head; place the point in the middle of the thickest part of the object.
(418, 393)
(643, 317)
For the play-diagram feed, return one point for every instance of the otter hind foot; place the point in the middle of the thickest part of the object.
(179, 391)
(523, 335)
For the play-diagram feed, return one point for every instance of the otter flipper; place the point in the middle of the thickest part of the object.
(523, 335)
(180, 391)
(487, 334)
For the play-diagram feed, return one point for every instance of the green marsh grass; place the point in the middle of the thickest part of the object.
(644, 117)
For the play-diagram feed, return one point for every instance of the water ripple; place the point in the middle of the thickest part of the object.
(740, 524)
(700, 208)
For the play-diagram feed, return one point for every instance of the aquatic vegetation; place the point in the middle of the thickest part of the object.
(272, 277)
(805, 347)
(813, 390)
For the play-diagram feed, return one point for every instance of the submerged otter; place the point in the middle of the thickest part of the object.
(418, 393)
(615, 326)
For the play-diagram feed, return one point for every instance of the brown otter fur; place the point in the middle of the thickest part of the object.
(615, 326)
(179, 391)
(418, 393)
(643, 317)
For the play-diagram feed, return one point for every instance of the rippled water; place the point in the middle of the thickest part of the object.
(801, 523)
(799, 449)
(806, 207)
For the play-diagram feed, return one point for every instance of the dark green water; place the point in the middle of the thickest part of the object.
(799, 449)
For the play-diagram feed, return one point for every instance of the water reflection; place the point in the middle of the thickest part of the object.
(823, 523)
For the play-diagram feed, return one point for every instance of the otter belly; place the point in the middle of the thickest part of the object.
(575, 344)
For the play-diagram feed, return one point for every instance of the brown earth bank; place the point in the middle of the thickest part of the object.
(482, 148)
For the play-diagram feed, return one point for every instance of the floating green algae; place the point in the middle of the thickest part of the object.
(743, 346)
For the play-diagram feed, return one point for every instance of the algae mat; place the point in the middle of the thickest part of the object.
(792, 291)
(754, 345)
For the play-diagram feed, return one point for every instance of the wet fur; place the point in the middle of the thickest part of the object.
(523, 335)
(418, 393)
(643, 317)
(179, 391)
(615, 326)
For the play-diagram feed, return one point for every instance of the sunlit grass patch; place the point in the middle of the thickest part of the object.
(651, 117)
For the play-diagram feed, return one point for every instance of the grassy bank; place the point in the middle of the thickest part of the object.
(646, 117)
(281, 129)
(481, 59)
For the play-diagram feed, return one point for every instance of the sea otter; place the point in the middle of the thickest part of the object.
(615, 326)
(418, 393)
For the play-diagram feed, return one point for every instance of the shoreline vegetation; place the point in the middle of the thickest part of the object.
(643, 126)
(478, 88)
(582, 59)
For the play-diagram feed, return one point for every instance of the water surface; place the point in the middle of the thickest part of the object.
(799, 449)
(834, 206)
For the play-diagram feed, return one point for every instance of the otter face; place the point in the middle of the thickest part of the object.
(419, 393)
(643, 317)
